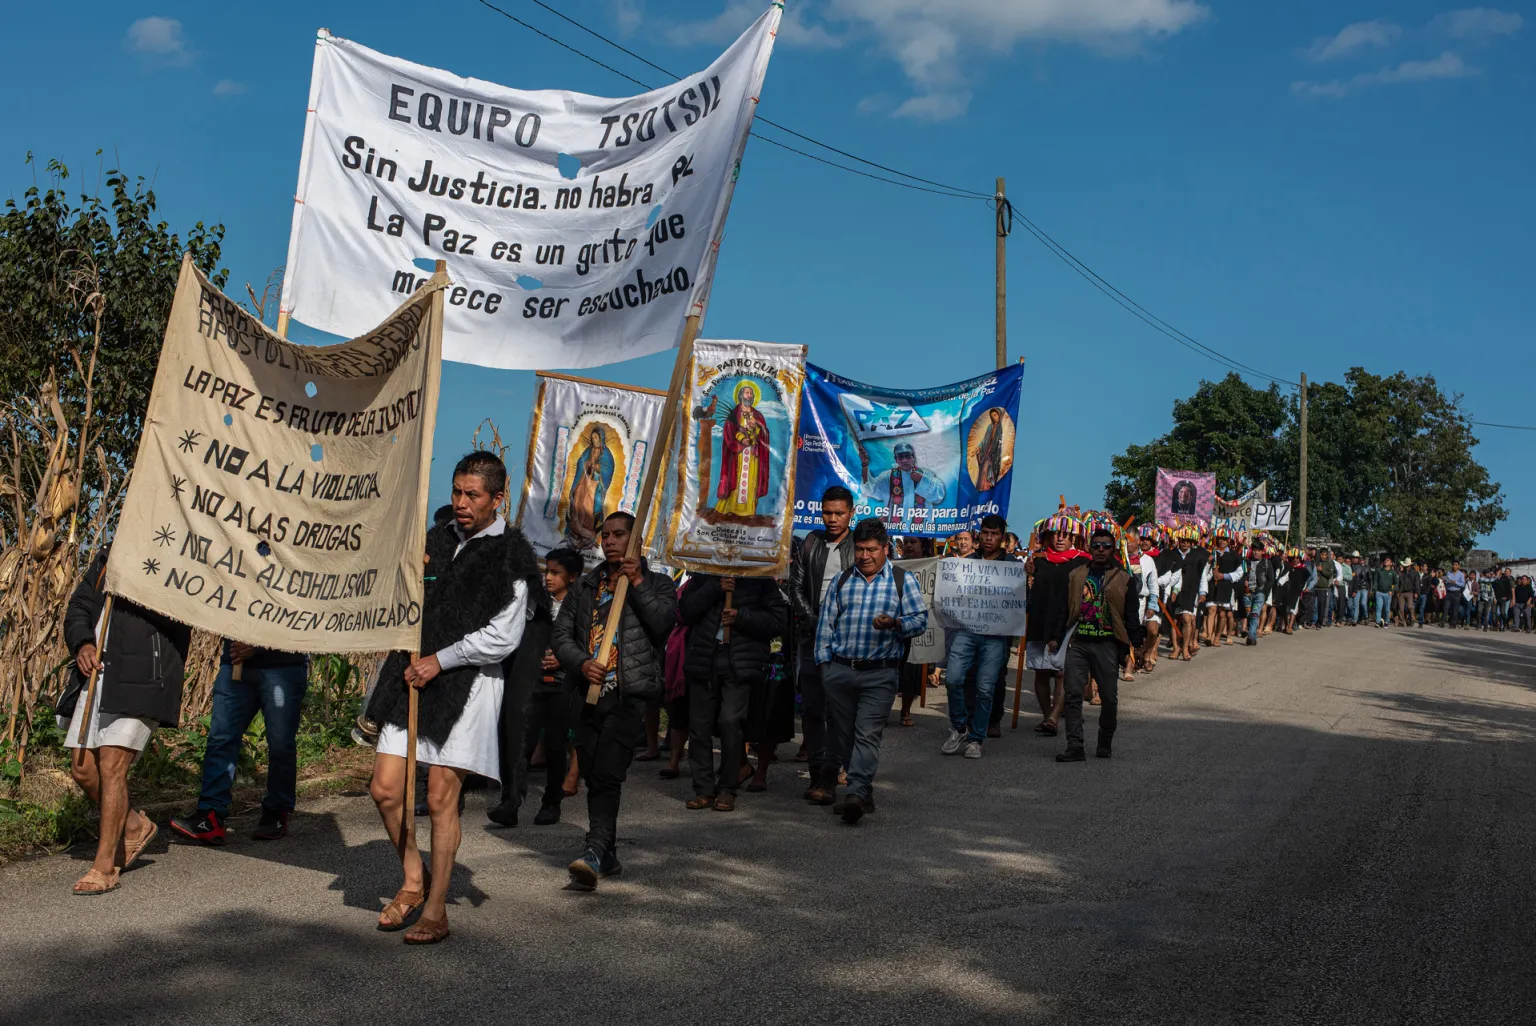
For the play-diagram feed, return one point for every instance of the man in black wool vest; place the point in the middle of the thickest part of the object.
(483, 592)
(609, 731)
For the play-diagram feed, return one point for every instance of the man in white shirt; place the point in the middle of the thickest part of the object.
(482, 588)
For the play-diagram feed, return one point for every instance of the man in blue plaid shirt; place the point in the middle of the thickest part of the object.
(871, 613)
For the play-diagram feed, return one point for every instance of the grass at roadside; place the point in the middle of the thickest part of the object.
(42, 810)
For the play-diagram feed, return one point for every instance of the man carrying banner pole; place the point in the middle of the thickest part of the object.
(483, 591)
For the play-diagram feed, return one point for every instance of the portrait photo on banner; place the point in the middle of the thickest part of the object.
(729, 499)
(1186, 497)
(927, 462)
(587, 448)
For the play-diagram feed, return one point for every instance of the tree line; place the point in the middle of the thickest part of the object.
(1390, 463)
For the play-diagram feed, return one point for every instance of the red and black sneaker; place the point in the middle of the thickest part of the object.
(204, 826)
(273, 825)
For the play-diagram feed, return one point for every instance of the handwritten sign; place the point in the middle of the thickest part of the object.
(981, 595)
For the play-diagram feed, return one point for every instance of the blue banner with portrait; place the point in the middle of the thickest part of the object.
(926, 461)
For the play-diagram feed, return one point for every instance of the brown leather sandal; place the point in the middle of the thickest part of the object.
(702, 801)
(96, 882)
(404, 903)
(427, 931)
(133, 849)
(725, 803)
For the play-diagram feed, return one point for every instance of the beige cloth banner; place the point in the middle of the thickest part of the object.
(278, 495)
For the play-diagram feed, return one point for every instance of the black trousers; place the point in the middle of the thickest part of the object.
(524, 669)
(717, 706)
(606, 738)
(1101, 660)
(554, 712)
(818, 747)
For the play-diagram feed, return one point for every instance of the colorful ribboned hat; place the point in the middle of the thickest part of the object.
(1148, 531)
(1188, 531)
(1061, 523)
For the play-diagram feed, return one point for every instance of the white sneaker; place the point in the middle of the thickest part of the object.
(973, 750)
(953, 743)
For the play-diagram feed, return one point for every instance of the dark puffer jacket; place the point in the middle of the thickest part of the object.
(761, 615)
(145, 658)
(649, 613)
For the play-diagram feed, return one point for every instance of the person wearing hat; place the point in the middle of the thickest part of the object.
(1191, 575)
(1385, 583)
(1145, 556)
(903, 489)
(1046, 607)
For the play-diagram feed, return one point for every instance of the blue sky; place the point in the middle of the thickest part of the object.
(1304, 186)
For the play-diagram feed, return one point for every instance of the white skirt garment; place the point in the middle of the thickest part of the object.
(473, 744)
(131, 732)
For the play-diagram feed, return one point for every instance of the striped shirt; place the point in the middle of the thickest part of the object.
(846, 625)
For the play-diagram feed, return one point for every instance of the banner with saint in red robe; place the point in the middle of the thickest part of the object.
(729, 484)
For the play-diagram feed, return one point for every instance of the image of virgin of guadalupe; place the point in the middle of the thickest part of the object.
(589, 490)
(743, 456)
(989, 453)
(1184, 498)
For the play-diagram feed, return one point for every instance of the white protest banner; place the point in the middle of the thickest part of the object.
(927, 647)
(986, 596)
(587, 450)
(279, 493)
(1272, 516)
(1237, 515)
(726, 507)
(578, 230)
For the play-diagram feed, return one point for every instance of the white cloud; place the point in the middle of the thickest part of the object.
(940, 106)
(938, 45)
(1477, 24)
(1351, 38)
(629, 14)
(1447, 65)
(160, 40)
(229, 87)
(724, 27)
(875, 103)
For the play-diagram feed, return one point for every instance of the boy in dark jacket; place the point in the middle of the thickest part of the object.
(554, 706)
(141, 664)
(610, 729)
(731, 623)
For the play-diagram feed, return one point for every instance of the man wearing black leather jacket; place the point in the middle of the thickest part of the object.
(813, 566)
(609, 731)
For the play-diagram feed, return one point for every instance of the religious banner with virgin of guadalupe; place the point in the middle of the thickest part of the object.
(587, 450)
(279, 492)
(730, 479)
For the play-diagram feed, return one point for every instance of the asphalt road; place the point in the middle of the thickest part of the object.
(1329, 828)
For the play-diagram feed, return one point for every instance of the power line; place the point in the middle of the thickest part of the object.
(1135, 308)
(1510, 427)
(941, 189)
(1005, 216)
(783, 128)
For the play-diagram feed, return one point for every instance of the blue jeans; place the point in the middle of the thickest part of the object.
(989, 654)
(1322, 609)
(1383, 606)
(1420, 607)
(277, 693)
(1357, 607)
(1255, 610)
(858, 704)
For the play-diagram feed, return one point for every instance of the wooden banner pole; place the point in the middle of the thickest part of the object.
(642, 510)
(1018, 687)
(429, 417)
(90, 691)
(725, 632)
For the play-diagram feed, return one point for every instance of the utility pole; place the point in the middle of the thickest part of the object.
(1302, 516)
(1004, 225)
